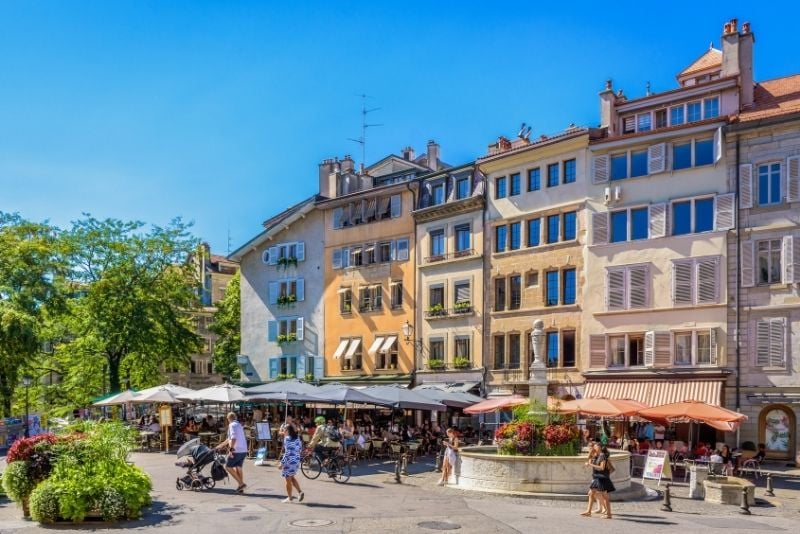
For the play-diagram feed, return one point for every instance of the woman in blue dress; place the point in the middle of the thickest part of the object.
(290, 463)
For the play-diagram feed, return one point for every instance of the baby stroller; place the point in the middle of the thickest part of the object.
(197, 457)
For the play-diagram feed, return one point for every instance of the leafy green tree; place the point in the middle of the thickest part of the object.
(227, 325)
(134, 289)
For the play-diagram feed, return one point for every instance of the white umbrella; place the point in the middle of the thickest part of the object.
(120, 398)
(156, 395)
(175, 389)
(221, 393)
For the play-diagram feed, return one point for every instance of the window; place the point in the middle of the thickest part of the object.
(516, 235)
(770, 342)
(499, 351)
(568, 286)
(436, 346)
(568, 348)
(552, 175)
(551, 348)
(387, 357)
(352, 351)
(638, 163)
(462, 347)
(534, 179)
(384, 253)
(499, 294)
(436, 298)
(629, 224)
(697, 347)
(692, 154)
(644, 122)
(570, 225)
(769, 261)
(551, 289)
(370, 298)
(345, 300)
(676, 115)
(402, 250)
(635, 350)
(693, 111)
(619, 166)
(769, 184)
(683, 348)
(437, 243)
(627, 287)
(397, 294)
(534, 232)
(552, 228)
(569, 171)
(500, 188)
(500, 238)
(513, 351)
(369, 254)
(289, 329)
(463, 237)
(661, 118)
(681, 156)
(639, 223)
(437, 194)
(515, 288)
(532, 279)
(462, 188)
(515, 185)
(616, 346)
(703, 152)
(703, 347)
(711, 108)
(695, 215)
(356, 258)
(462, 298)
(626, 350)
(695, 281)
(619, 226)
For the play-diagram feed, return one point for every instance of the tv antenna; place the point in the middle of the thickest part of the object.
(363, 139)
(229, 241)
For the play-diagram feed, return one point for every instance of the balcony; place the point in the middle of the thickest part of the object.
(450, 256)
(460, 364)
(508, 376)
(459, 310)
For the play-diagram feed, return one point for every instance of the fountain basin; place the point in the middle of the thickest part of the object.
(728, 490)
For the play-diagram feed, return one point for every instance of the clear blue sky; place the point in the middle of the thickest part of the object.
(220, 111)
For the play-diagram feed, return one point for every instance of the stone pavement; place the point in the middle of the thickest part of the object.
(373, 502)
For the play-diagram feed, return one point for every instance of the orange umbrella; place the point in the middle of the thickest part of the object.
(601, 407)
(696, 411)
(497, 403)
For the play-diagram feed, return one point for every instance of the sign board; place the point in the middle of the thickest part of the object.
(656, 465)
(263, 432)
(165, 415)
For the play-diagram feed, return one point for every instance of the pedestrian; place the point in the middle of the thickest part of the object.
(601, 481)
(450, 456)
(290, 463)
(236, 444)
(591, 494)
(282, 430)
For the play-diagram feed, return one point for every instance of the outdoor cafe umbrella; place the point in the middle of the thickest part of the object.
(172, 388)
(154, 395)
(601, 407)
(497, 403)
(455, 399)
(341, 394)
(283, 391)
(220, 394)
(397, 396)
(692, 411)
(123, 397)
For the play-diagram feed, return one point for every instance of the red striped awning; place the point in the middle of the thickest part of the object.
(657, 392)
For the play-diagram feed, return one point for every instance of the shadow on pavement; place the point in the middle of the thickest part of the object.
(157, 514)
(322, 505)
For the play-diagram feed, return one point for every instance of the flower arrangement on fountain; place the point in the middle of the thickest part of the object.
(535, 432)
(515, 438)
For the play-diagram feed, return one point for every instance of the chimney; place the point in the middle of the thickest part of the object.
(737, 58)
(347, 164)
(433, 155)
(327, 187)
(408, 153)
(608, 115)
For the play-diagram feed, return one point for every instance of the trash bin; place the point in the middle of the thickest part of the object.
(697, 474)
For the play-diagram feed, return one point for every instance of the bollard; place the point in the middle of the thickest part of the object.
(397, 471)
(404, 465)
(770, 492)
(744, 509)
(439, 460)
(667, 506)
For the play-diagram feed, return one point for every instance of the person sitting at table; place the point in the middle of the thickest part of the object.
(727, 458)
(154, 426)
(387, 435)
(614, 443)
(644, 446)
(701, 450)
(761, 455)
(671, 450)
(659, 445)
(190, 427)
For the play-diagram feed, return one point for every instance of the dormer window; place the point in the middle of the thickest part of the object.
(711, 108)
(437, 194)
(693, 111)
(644, 122)
(676, 116)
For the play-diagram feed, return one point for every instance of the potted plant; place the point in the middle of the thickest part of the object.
(435, 363)
(286, 261)
(346, 308)
(282, 338)
(436, 310)
(463, 306)
(461, 363)
(309, 377)
(287, 300)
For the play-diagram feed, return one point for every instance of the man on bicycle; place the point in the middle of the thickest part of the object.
(326, 439)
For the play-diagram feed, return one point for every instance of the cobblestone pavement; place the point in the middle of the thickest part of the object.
(373, 502)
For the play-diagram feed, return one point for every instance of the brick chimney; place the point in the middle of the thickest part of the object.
(737, 58)
(408, 153)
(433, 155)
(608, 113)
(327, 177)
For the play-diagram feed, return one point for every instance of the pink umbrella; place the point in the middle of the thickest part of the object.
(601, 407)
(497, 403)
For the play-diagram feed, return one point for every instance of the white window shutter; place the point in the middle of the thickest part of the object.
(273, 255)
(337, 258)
(649, 348)
(787, 274)
(346, 257)
(396, 206)
(682, 282)
(793, 179)
(656, 158)
(301, 289)
(777, 336)
(712, 336)
(402, 249)
(746, 185)
(658, 220)
(615, 289)
(337, 217)
(300, 328)
(718, 144)
(600, 169)
(273, 292)
(794, 257)
(724, 211)
(300, 251)
(638, 286)
(707, 281)
(748, 271)
(600, 228)
(597, 351)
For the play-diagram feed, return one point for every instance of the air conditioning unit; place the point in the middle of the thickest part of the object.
(607, 195)
(618, 193)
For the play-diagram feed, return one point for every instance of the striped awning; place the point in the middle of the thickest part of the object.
(657, 392)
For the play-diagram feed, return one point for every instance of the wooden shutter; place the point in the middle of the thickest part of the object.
(600, 169)
(724, 211)
(300, 251)
(638, 286)
(762, 342)
(746, 185)
(272, 330)
(273, 255)
(300, 366)
(793, 179)
(337, 258)
(615, 289)
(718, 145)
(790, 259)
(338, 213)
(402, 249)
(712, 345)
(274, 365)
(274, 289)
(748, 263)
(300, 328)
(396, 206)
(597, 351)
(658, 220)
(301, 290)
(600, 228)
(663, 349)
(707, 281)
(777, 337)
(649, 349)
(682, 282)
(656, 158)
(319, 367)
(346, 257)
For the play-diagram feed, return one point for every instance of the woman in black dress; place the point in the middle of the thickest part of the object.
(601, 481)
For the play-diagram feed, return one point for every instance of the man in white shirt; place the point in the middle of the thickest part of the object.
(237, 451)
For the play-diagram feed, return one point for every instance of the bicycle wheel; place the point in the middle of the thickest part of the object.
(310, 467)
(340, 472)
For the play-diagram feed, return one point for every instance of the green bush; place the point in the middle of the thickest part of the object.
(112, 505)
(44, 503)
(16, 482)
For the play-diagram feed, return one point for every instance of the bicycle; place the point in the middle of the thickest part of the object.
(337, 467)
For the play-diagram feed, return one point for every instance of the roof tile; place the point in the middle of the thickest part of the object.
(772, 98)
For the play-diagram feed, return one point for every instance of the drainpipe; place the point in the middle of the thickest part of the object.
(738, 287)
(417, 324)
(486, 341)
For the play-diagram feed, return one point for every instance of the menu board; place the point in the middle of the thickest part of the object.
(263, 432)
(656, 465)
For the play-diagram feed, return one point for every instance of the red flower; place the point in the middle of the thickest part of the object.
(22, 449)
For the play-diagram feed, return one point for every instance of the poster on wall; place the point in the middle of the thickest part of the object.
(777, 431)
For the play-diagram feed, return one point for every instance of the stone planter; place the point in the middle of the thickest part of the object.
(728, 490)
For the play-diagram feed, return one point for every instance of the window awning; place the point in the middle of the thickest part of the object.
(353, 348)
(375, 345)
(387, 345)
(340, 349)
(657, 392)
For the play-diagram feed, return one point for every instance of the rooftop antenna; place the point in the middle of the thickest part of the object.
(363, 139)
(229, 241)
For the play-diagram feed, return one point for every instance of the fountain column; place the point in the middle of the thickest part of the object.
(537, 380)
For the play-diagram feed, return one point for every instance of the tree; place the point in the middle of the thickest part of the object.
(227, 325)
(30, 266)
(133, 289)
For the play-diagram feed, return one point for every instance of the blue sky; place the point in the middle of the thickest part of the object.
(220, 111)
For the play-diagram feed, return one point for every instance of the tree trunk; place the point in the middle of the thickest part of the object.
(113, 372)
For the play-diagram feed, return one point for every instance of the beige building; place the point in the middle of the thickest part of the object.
(449, 325)
(535, 236)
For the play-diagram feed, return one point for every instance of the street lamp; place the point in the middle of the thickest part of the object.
(26, 381)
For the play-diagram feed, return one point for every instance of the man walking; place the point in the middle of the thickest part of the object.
(237, 451)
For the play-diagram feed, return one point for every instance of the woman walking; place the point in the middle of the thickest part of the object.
(450, 455)
(290, 463)
(601, 481)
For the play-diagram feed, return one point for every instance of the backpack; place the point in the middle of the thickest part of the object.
(333, 434)
(218, 471)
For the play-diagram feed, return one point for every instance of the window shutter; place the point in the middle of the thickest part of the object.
(793, 179)
(319, 367)
(724, 212)
(597, 350)
(337, 218)
(787, 271)
(712, 336)
(707, 281)
(396, 207)
(337, 258)
(272, 330)
(462, 292)
(393, 250)
(682, 282)
(615, 289)
(656, 158)
(746, 185)
(776, 341)
(451, 188)
(762, 342)
(301, 290)
(658, 220)
(600, 228)
(600, 172)
(346, 257)
(718, 144)
(273, 255)
(649, 349)
(300, 328)
(748, 264)
(274, 288)
(402, 249)
(663, 349)
(300, 366)
(637, 286)
(274, 364)
(300, 251)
